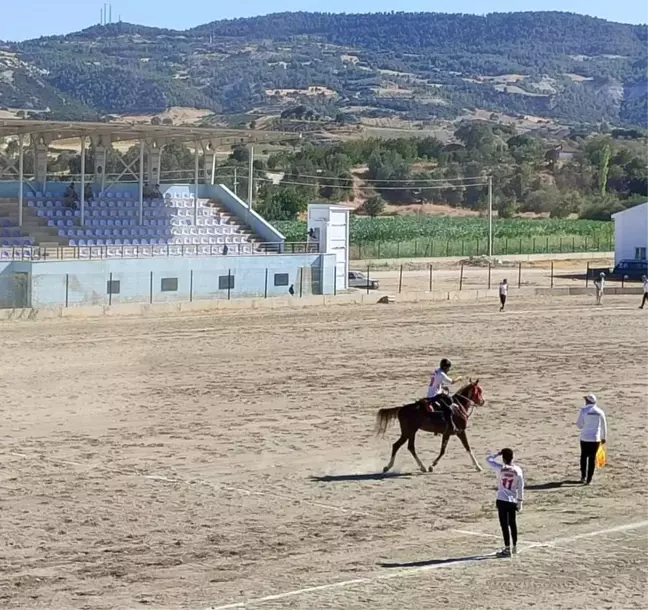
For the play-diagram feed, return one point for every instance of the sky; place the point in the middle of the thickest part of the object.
(33, 18)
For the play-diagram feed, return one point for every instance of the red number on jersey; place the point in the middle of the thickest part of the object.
(507, 483)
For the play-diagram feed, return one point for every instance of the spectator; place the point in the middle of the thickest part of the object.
(147, 192)
(225, 249)
(157, 194)
(503, 293)
(70, 196)
(87, 193)
(644, 300)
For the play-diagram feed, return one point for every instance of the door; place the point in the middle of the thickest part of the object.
(21, 291)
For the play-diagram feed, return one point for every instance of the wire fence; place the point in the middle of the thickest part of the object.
(431, 248)
(443, 278)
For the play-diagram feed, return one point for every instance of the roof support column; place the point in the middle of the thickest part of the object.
(21, 179)
(141, 182)
(41, 144)
(196, 178)
(83, 176)
(101, 145)
(153, 161)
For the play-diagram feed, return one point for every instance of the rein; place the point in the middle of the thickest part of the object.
(471, 403)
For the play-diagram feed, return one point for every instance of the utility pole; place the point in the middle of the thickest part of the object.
(235, 182)
(251, 178)
(490, 216)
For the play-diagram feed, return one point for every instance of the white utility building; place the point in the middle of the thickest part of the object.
(631, 233)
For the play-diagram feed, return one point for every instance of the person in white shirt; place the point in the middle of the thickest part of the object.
(437, 394)
(600, 287)
(510, 496)
(644, 299)
(593, 426)
(503, 293)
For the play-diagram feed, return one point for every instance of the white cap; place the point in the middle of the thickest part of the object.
(591, 398)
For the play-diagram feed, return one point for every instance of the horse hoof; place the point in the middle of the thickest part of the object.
(479, 469)
(385, 469)
(431, 469)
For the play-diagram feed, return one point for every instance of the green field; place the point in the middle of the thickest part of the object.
(406, 237)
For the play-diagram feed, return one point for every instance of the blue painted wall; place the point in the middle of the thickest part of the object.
(52, 284)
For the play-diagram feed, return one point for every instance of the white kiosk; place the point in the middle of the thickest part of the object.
(328, 226)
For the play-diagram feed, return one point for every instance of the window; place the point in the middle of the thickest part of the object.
(169, 284)
(112, 287)
(281, 279)
(226, 282)
(640, 254)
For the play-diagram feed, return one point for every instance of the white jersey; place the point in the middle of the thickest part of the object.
(439, 379)
(600, 284)
(592, 424)
(510, 481)
(503, 289)
(646, 286)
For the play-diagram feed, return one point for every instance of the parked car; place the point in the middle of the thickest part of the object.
(632, 270)
(359, 280)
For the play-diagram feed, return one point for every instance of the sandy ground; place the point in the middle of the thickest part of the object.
(228, 460)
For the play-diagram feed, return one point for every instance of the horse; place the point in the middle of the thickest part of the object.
(417, 416)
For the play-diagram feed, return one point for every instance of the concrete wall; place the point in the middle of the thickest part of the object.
(239, 208)
(630, 232)
(74, 283)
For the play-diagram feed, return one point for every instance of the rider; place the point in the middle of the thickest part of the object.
(438, 392)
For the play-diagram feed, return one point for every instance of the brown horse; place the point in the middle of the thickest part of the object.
(417, 416)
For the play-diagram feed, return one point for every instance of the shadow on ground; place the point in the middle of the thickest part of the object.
(552, 485)
(438, 562)
(374, 476)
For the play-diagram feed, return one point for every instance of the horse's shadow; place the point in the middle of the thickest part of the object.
(552, 485)
(373, 476)
(438, 562)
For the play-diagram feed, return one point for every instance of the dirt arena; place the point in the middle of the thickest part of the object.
(228, 460)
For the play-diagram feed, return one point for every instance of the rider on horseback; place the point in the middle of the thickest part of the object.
(438, 394)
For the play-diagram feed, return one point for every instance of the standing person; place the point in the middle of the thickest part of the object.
(510, 496)
(593, 426)
(600, 287)
(644, 300)
(503, 293)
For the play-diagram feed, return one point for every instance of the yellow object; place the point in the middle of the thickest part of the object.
(601, 457)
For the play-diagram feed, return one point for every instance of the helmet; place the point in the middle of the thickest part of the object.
(445, 364)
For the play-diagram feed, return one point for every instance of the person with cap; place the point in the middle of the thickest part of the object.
(510, 495)
(438, 392)
(593, 426)
(644, 299)
(600, 286)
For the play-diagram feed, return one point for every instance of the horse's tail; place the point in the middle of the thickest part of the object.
(384, 417)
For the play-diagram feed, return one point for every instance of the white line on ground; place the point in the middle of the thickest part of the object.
(421, 569)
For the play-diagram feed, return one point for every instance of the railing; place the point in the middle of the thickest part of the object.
(57, 253)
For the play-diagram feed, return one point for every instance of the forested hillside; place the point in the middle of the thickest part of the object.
(416, 66)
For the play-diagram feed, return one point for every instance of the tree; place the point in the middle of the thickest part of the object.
(374, 206)
(282, 204)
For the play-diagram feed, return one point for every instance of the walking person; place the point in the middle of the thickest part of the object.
(510, 495)
(644, 299)
(593, 426)
(600, 287)
(503, 293)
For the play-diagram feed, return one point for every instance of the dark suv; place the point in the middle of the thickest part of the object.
(632, 270)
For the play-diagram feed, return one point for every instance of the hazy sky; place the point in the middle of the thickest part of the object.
(33, 18)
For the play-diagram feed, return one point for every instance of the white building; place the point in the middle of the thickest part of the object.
(631, 233)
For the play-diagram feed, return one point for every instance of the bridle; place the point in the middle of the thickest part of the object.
(471, 403)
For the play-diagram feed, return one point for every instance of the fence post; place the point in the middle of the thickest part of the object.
(533, 252)
(587, 274)
(489, 275)
(265, 290)
(520, 248)
(400, 280)
(301, 282)
(573, 243)
(519, 275)
(229, 284)
(463, 243)
(610, 242)
(477, 253)
(416, 247)
(552, 274)
(447, 247)
(335, 280)
(561, 244)
(191, 286)
(586, 250)
(461, 276)
(430, 277)
(506, 246)
(110, 291)
(368, 272)
(547, 245)
(151, 289)
(398, 249)
(67, 289)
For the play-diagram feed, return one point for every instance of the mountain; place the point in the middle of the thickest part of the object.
(412, 66)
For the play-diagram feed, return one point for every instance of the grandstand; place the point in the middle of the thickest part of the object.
(57, 250)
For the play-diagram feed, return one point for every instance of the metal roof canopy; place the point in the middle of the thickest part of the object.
(62, 130)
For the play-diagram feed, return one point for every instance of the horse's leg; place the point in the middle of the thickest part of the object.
(444, 444)
(463, 437)
(395, 447)
(412, 450)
